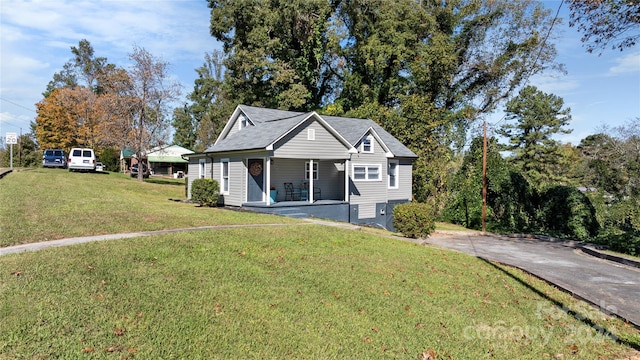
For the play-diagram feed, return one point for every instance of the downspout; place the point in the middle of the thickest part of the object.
(210, 157)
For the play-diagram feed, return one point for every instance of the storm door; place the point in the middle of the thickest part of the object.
(255, 180)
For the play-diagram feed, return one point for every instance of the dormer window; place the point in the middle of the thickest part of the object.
(243, 122)
(367, 144)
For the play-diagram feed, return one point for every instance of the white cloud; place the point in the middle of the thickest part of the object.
(554, 85)
(628, 63)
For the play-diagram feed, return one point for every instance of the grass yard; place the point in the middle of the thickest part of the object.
(302, 291)
(294, 291)
(50, 204)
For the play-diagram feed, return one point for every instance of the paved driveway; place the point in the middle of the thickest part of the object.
(606, 284)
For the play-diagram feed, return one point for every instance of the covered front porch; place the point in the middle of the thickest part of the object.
(337, 210)
(289, 182)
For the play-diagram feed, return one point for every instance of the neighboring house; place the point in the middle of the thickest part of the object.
(322, 166)
(168, 160)
(128, 158)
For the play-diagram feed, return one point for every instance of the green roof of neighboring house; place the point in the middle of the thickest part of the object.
(128, 152)
(167, 159)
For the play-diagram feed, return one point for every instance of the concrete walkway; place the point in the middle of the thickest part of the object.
(85, 239)
(610, 286)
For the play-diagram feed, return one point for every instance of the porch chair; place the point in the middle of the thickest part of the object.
(291, 193)
(305, 191)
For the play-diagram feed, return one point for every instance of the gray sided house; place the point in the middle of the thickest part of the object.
(308, 165)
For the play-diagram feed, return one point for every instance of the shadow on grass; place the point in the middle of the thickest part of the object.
(564, 308)
(164, 181)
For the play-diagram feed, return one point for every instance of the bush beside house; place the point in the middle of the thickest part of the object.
(414, 220)
(205, 191)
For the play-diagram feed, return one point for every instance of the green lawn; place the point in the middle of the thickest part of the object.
(294, 291)
(49, 204)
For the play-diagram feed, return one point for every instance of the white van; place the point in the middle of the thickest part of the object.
(81, 160)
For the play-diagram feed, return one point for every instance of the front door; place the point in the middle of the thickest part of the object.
(255, 180)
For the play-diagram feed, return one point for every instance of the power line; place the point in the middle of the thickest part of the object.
(18, 105)
(526, 80)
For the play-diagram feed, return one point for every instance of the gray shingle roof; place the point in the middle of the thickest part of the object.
(271, 124)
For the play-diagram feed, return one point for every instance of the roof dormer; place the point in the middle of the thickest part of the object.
(243, 122)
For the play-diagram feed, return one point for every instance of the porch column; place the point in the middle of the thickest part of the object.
(346, 180)
(267, 174)
(311, 181)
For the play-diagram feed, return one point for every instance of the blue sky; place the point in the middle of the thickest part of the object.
(36, 36)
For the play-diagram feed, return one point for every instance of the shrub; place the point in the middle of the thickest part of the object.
(205, 191)
(566, 212)
(110, 158)
(414, 219)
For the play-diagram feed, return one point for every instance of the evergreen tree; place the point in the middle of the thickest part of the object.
(538, 117)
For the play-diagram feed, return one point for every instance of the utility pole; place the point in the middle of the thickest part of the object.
(20, 149)
(484, 178)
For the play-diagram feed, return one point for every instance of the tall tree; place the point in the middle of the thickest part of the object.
(606, 22)
(510, 200)
(198, 123)
(602, 164)
(148, 98)
(457, 59)
(65, 78)
(89, 67)
(538, 117)
(276, 50)
(56, 124)
(184, 127)
(81, 78)
(83, 69)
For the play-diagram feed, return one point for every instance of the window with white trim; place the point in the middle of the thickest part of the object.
(315, 170)
(367, 172)
(392, 174)
(201, 168)
(243, 122)
(367, 144)
(224, 176)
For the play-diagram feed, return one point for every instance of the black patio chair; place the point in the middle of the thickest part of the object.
(290, 192)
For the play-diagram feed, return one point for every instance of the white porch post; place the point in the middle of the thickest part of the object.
(346, 180)
(267, 174)
(311, 181)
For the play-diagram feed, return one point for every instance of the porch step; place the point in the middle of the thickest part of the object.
(291, 212)
(296, 215)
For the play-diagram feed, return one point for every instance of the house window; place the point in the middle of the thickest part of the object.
(201, 168)
(242, 122)
(224, 176)
(367, 172)
(315, 170)
(311, 134)
(367, 144)
(393, 174)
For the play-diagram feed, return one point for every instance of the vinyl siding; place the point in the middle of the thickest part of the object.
(403, 192)
(194, 171)
(235, 127)
(330, 180)
(237, 182)
(367, 211)
(369, 192)
(325, 146)
(286, 170)
(237, 179)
